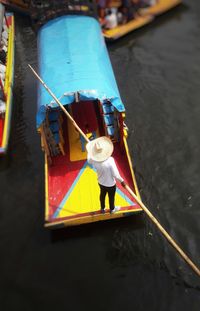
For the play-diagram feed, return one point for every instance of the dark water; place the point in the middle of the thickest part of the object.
(126, 264)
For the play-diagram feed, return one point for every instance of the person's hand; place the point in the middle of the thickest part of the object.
(123, 183)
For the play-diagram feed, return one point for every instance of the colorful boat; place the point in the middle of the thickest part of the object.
(6, 75)
(74, 63)
(146, 16)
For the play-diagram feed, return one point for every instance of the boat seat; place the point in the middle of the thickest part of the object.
(110, 130)
(54, 126)
(59, 141)
(108, 119)
(54, 123)
(53, 116)
(56, 137)
(107, 108)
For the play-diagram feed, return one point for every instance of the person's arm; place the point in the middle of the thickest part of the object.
(116, 173)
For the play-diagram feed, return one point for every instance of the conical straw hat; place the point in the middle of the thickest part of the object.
(100, 149)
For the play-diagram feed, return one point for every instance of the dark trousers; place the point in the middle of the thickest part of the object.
(111, 195)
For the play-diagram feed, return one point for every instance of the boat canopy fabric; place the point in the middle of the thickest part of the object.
(73, 59)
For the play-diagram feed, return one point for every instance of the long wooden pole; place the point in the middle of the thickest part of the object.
(59, 103)
(145, 209)
(164, 232)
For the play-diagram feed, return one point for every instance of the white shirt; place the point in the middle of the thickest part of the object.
(111, 21)
(107, 172)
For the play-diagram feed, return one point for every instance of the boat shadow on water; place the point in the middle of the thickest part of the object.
(132, 223)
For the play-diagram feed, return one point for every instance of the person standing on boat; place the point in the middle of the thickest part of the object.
(101, 4)
(99, 155)
(111, 19)
(127, 10)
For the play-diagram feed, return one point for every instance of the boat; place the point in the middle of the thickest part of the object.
(146, 15)
(6, 75)
(75, 66)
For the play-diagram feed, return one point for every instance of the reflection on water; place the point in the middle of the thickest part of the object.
(123, 264)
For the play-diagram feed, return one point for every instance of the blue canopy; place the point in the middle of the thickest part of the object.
(73, 58)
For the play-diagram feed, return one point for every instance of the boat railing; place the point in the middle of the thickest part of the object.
(43, 11)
